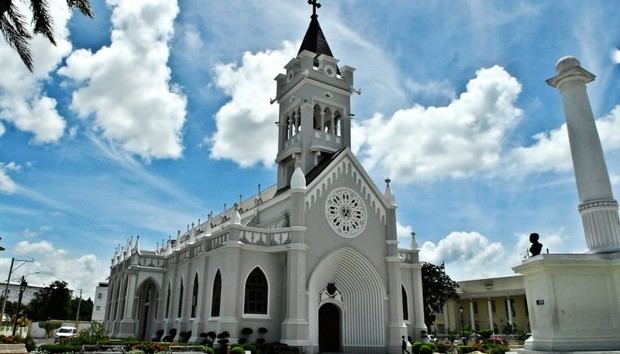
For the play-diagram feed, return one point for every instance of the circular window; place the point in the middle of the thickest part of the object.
(290, 75)
(345, 212)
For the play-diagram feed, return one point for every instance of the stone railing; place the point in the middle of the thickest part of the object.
(215, 241)
(406, 256)
(150, 261)
(262, 237)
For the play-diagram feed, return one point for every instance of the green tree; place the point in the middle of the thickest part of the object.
(86, 309)
(437, 288)
(51, 302)
(13, 24)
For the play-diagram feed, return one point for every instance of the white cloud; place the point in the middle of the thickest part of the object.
(126, 86)
(615, 56)
(466, 254)
(23, 101)
(245, 125)
(457, 140)
(1, 129)
(27, 233)
(551, 151)
(7, 185)
(27, 247)
(82, 271)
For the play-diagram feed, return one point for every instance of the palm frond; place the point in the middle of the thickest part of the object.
(13, 28)
(41, 19)
(82, 5)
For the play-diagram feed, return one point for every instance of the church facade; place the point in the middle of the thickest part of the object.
(313, 259)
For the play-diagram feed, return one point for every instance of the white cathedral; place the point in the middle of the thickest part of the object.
(313, 259)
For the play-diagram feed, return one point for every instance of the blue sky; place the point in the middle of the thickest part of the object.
(154, 113)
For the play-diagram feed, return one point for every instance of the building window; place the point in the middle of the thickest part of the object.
(256, 293)
(527, 311)
(216, 296)
(492, 305)
(475, 307)
(405, 308)
(180, 310)
(168, 302)
(98, 308)
(99, 295)
(195, 296)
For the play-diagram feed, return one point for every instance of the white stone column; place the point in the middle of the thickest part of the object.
(472, 318)
(446, 318)
(295, 329)
(509, 307)
(597, 206)
(490, 308)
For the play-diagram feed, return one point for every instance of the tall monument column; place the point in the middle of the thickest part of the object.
(598, 209)
(573, 299)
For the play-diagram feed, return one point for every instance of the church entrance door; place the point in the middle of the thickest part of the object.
(329, 328)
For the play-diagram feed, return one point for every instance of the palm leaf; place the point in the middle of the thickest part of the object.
(41, 19)
(13, 28)
(82, 5)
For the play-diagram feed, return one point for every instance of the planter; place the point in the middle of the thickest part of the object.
(13, 348)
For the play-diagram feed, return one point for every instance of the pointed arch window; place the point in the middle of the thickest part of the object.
(405, 306)
(256, 293)
(217, 295)
(180, 310)
(168, 302)
(195, 296)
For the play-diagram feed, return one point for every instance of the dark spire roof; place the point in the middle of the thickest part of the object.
(314, 40)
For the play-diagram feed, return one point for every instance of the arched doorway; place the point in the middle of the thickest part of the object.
(329, 328)
(147, 309)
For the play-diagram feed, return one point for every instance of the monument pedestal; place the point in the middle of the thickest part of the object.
(573, 302)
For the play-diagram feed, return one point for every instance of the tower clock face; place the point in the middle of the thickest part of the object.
(345, 212)
(330, 70)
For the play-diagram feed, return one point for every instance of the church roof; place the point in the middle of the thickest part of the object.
(314, 40)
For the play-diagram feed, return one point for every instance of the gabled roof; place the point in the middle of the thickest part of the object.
(314, 40)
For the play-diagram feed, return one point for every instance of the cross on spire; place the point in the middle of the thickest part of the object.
(315, 5)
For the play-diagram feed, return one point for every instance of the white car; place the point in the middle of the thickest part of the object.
(64, 333)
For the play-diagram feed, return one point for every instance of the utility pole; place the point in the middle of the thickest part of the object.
(77, 316)
(8, 281)
(6, 288)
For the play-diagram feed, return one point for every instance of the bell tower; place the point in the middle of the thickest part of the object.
(314, 96)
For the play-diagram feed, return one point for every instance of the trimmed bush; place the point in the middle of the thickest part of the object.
(209, 350)
(59, 348)
(237, 350)
(443, 347)
(426, 349)
(415, 347)
(252, 348)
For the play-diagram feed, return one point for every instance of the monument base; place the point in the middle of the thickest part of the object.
(573, 302)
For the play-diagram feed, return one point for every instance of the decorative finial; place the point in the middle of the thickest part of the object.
(315, 5)
(387, 181)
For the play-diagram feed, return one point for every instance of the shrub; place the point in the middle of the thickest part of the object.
(185, 336)
(171, 334)
(426, 349)
(158, 335)
(94, 334)
(208, 350)
(50, 326)
(150, 348)
(250, 347)
(59, 348)
(415, 348)
(443, 347)
(247, 331)
(262, 330)
(243, 340)
(486, 333)
(237, 350)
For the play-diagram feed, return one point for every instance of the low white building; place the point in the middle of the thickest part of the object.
(13, 296)
(99, 305)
